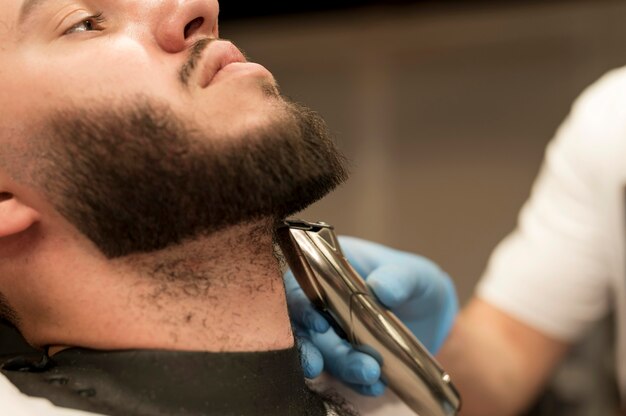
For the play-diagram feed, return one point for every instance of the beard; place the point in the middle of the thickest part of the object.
(138, 178)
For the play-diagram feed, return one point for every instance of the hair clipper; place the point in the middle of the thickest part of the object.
(312, 251)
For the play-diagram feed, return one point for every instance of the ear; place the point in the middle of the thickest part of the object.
(15, 217)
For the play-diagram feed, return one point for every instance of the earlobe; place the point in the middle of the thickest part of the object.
(15, 217)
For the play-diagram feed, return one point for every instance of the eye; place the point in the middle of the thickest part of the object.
(90, 24)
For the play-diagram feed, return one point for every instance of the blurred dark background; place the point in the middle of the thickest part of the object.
(246, 9)
(239, 9)
(444, 108)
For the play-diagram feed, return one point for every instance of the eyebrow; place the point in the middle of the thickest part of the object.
(28, 8)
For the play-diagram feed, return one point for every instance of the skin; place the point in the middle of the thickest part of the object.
(498, 363)
(64, 291)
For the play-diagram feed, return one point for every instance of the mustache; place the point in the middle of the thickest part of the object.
(195, 54)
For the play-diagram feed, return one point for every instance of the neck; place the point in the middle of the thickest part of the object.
(221, 293)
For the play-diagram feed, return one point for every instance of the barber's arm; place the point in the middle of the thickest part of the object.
(485, 351)
(546, 284)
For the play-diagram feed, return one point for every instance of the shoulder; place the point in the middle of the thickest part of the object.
(595, 130)
(607, 92)
(599, 114)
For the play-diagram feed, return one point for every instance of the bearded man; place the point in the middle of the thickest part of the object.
(144, 164)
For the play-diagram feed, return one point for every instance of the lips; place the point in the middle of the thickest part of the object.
(217, 56)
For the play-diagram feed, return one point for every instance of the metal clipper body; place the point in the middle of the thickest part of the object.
(333, 286)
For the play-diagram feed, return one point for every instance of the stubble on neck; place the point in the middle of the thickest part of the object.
(219, 293)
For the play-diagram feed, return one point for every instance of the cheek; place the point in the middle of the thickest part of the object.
(97, 69)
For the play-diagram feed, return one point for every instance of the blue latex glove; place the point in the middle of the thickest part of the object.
(416, 290)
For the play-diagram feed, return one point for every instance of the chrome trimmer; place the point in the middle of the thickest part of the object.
(313, 253)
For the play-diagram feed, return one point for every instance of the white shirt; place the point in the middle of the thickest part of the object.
(563, 268)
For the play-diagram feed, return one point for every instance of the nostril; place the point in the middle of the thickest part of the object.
(192, 26)
(5, 196)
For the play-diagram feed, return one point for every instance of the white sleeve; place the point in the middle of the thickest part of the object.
(552, 272)
(14, 403)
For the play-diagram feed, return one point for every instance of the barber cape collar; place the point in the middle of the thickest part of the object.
(160, 383)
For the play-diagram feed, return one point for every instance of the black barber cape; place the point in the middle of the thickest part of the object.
(169, 383)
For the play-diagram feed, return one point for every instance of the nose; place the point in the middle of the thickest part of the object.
(185, 22)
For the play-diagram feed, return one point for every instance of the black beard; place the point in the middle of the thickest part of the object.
(139, 179)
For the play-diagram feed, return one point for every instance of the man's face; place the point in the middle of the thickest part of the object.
(56, 53)
(142, 130)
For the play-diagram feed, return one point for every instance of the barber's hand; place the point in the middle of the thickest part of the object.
(416, 290)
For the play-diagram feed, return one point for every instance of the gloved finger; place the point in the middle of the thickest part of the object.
(310, 357)
(375, 390)
(432, 292)
(361, 254)
(344, 362)
(301, 310)
(412, 279)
